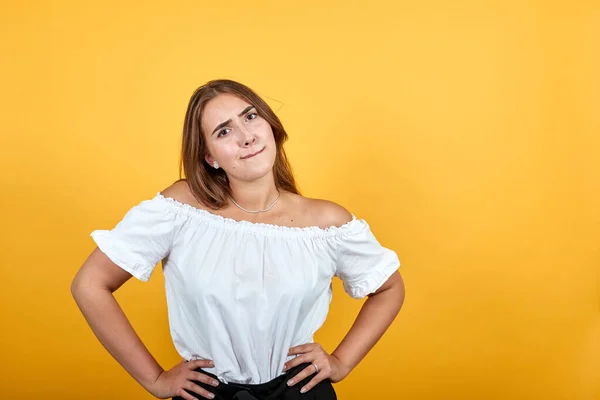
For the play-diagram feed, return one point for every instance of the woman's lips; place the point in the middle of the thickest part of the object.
(253, 154)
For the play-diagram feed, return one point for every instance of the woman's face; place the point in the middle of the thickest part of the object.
(238, 138)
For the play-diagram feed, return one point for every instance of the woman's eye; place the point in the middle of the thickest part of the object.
(252, 116)
(223, 132)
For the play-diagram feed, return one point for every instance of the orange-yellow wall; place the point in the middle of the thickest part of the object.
(465, 132)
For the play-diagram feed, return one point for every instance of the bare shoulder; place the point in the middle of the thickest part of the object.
(332, 214)
(325, 213)
(180, 191)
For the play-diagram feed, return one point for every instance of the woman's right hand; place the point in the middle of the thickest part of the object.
(173, 382)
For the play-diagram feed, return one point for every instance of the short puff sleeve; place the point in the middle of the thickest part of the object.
(141, 239)
(362, 263)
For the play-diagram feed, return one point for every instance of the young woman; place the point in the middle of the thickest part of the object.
(248, 264)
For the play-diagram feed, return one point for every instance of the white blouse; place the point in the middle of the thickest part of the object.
(242, 293)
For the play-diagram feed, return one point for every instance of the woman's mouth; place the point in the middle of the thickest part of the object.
(253, 154)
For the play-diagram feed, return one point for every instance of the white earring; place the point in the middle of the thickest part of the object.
(216, 165)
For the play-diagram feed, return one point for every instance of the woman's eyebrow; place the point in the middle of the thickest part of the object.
(222, 124)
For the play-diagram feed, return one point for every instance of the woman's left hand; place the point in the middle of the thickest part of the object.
(326, 366)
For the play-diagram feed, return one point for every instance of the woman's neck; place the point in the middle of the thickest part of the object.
(255, 195)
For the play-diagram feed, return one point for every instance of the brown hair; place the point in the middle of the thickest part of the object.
(211, 186)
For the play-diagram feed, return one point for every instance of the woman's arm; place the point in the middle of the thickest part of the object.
(375, 316)
(92, 289)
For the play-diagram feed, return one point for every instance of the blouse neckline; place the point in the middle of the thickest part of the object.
(257, 227)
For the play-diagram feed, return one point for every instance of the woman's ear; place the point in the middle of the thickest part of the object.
(211, 161)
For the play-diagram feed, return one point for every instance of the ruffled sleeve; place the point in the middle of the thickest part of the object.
(362, 263)
(141, 239)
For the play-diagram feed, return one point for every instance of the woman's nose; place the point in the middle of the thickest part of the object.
(247, 136)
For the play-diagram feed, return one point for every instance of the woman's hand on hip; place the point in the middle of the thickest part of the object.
(175, 381)
(326, 366)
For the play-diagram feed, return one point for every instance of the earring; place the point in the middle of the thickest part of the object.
(216, 165)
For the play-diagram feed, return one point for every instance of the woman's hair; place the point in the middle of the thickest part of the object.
(211, 186)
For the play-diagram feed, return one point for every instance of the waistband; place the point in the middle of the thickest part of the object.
(273, 390)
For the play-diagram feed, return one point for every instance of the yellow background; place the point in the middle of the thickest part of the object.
(465, 132)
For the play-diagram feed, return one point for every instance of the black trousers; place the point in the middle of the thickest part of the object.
(277, 389)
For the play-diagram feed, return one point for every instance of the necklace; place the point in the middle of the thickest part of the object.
(259, 211)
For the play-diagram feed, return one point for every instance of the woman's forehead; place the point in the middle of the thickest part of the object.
(226, 103)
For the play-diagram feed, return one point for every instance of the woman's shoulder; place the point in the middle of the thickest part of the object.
(303, 211)
(322, 213)
(181, 192)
